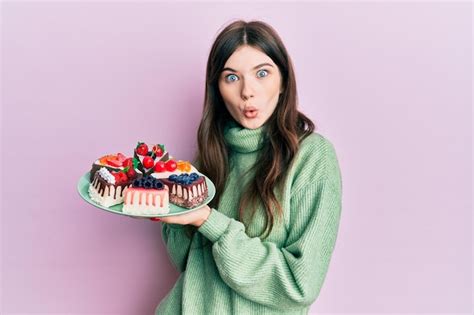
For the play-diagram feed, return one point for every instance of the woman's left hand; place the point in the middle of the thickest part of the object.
(196, 217)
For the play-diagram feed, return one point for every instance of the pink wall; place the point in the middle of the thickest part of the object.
(388, 83)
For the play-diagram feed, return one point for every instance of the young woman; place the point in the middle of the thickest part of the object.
(264, 244)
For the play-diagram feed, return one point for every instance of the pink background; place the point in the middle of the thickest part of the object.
(388, 83)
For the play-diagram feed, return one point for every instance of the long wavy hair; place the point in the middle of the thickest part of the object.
(285, 129)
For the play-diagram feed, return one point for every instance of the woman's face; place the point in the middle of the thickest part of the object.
(250, 85)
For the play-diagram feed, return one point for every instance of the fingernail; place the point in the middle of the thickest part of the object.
(155, 219)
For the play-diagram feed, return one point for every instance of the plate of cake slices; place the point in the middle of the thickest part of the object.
(151, 183)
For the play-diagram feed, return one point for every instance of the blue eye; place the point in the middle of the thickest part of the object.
(231, 78)
(262, 73)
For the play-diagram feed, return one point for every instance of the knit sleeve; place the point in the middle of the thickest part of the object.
(287, 277)
(177, 244)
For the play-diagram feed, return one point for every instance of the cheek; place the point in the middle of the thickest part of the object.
(273, 87)
(272, 91)
(229, 96)
(225, 93)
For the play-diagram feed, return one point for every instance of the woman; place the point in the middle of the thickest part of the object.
(264, 243)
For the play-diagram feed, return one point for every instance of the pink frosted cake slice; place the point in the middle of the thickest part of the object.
(147, 196)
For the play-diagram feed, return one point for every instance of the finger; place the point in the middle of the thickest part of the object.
(170, 220)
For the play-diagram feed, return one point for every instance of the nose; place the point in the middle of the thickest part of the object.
(247, 89)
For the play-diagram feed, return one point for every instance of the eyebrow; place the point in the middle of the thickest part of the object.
(256, 67)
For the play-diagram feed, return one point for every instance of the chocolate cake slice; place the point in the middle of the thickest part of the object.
(105, 190)
(186, 190)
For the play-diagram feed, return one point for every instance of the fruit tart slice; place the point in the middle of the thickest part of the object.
(145, 157)
(112, 162)
(172, 167)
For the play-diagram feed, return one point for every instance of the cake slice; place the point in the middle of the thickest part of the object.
(112, 162)
(146, 196)
(107, 189)
(186, 190)
(171, 167)
(146, 157)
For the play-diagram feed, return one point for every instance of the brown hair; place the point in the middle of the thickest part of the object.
(285, 128)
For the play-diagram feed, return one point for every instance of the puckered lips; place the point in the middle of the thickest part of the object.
(250, 112)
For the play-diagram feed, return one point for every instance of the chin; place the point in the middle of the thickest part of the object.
(252, 124)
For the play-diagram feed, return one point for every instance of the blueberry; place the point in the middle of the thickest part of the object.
(158, 185)
(137, 182)
(148, 184)
(173, 177)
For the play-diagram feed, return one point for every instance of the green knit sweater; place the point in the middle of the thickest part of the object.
(227, 269)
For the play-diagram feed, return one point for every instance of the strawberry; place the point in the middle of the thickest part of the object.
(131, 172)
(158, 150)
(142, 149)
(112, 161)
(128, 162)
(117, 177)
(121, 157)
(160, 167)
(170, 165)
(148, 162)
(123, 177)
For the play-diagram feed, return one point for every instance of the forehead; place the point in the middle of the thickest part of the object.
(247, 57)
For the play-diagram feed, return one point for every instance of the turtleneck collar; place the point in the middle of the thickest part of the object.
(243, 140)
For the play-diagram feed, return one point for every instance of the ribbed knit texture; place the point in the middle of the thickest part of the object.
(227, 269)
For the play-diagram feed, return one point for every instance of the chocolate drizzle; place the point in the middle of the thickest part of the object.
(101, 184)
(181, 194)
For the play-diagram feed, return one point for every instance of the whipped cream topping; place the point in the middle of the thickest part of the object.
(105, 174)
